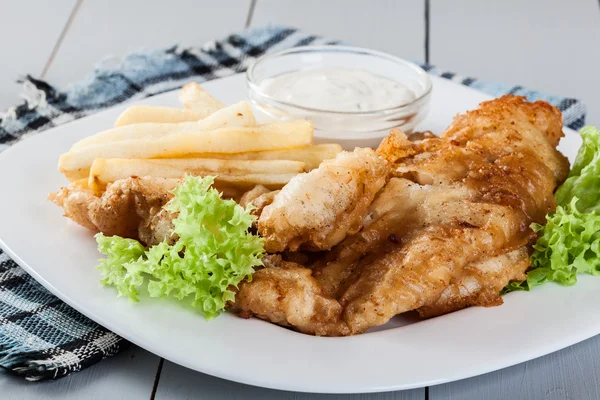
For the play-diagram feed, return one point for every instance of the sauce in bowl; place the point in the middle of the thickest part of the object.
(338, 90)
(353, 96)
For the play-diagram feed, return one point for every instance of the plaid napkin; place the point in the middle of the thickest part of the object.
(40, 336)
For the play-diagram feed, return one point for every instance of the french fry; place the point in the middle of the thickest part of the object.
(241, 172)
(283, 135)
(193, 97)
(236, 115)
(312, 156)
(140, 114)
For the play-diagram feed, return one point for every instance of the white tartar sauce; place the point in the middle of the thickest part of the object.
(338, 89)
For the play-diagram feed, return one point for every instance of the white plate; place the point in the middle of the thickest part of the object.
(407, 354)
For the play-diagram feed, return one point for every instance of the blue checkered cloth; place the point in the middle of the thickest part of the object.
(40, 336)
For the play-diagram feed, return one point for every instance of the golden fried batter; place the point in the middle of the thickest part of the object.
(285, 293)
(317, 210)
(130, 207)
(126, 207)
(450, 230)
(480, 283)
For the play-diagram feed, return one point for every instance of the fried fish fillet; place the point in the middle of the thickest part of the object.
(436, 237)
(504, 155)
(127, 207)
(450, 230)
(286, 293)
(133, 207)
(480, 283)
(318, 209)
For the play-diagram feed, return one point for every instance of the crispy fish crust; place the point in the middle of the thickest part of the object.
(448, 231)
(126, 208)
(131, 207)
(286, 293)
(317, 210)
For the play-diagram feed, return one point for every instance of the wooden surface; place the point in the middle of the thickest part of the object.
(541, 44)
(25, 49)
(177, 382)
(550, 45)
(571, 373)
(385, 25)
(105, 29)
(129, 375)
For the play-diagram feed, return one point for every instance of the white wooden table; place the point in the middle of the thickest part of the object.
(550, 45)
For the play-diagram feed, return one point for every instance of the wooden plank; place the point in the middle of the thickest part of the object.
(397, 27)
(548, 45)
(572, 373)
(113, 27)
(177, 382)
(128, 376)
(29, 31)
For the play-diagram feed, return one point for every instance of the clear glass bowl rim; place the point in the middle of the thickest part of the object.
(424, 76)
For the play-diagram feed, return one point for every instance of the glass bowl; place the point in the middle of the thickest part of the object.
(352, 128)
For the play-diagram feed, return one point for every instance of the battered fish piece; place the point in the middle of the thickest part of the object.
(259, 197)
(285, 293)
(317, 210)
(126, 208)
(402, 208)
(131, 207)
(480, 283)
(504, 154)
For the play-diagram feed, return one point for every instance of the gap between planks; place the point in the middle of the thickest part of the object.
(61, 37)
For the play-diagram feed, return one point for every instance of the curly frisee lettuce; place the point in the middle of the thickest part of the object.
(214, 251)
(569, 243)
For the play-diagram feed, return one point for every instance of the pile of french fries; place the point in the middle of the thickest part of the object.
(206, 137)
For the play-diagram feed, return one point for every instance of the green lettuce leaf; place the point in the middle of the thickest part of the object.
(569, 243)
(214, 252)
(584, 179)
